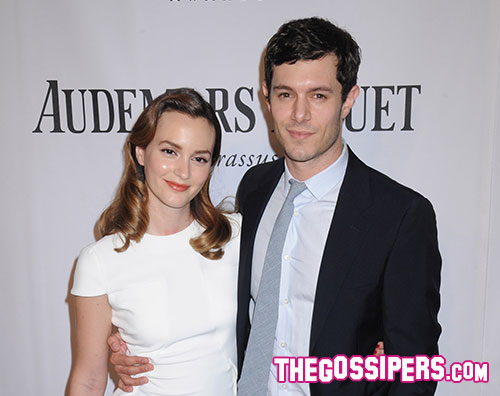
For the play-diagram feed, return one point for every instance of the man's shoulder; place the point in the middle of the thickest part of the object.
(385, 188)
(260, 177)
(258, 174)
(383, 182)
(264, 169)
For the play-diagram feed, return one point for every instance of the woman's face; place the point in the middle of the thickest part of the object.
(177, 162)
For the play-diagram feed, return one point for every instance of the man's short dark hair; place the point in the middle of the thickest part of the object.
(310, 39)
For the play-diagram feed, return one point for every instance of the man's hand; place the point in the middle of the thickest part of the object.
(379, 349)
(125, 366)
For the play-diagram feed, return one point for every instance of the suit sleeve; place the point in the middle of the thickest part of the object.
(242, 192)
(411, 292)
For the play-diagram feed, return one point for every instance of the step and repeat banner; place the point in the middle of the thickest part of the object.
(75, 75)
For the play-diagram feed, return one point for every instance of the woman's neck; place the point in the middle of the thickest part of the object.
(167, 221)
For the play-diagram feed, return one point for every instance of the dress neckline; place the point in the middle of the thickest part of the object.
(182, 232)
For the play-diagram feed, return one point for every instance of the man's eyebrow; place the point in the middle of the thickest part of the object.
(321, 88)
(284, 87)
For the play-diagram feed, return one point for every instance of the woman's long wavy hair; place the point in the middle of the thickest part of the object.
(128, 215)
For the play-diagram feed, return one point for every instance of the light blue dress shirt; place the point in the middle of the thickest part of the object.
(301, 260)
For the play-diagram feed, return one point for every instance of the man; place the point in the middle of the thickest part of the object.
(358, 260)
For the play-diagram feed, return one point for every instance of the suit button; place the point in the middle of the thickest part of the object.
(285, 301)
(283, 344)
(284, 386)
(287, 257)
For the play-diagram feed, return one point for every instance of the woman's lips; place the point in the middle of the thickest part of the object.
(176, 186)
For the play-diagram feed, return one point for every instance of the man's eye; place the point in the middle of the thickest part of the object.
(284, 95)
(319, 96)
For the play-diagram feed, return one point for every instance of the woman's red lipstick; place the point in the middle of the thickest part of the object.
(176, 186)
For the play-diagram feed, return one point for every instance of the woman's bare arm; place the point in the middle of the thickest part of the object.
(89, 373)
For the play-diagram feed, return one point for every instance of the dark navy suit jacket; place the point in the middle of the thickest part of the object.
(379, 276)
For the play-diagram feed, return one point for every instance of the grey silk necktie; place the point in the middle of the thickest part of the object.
(259, 353)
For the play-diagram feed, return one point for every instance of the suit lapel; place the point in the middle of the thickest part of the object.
(345, 236)
(255, 203)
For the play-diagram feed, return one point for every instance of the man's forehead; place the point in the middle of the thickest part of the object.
(329, 57)
(309, 74)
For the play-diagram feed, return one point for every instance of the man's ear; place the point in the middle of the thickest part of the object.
(139, 155)
(265, 91)
(349, 101)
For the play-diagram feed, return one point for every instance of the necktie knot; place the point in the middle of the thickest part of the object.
(296, 188)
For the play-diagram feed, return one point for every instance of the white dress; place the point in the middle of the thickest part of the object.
(171, 305)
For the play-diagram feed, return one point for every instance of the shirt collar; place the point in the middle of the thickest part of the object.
(321, 183)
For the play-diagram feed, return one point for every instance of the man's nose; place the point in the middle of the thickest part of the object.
(301, 111)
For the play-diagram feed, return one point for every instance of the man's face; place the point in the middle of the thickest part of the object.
(306, 106)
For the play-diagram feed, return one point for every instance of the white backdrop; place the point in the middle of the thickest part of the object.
(55, 184)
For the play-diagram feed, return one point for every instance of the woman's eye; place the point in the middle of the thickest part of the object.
(168, 151)
(201, 160)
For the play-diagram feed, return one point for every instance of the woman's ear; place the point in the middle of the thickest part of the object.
(139, 155)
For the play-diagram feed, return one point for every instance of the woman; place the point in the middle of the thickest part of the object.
(164, 271)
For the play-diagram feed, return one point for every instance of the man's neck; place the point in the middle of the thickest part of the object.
(304, 170)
